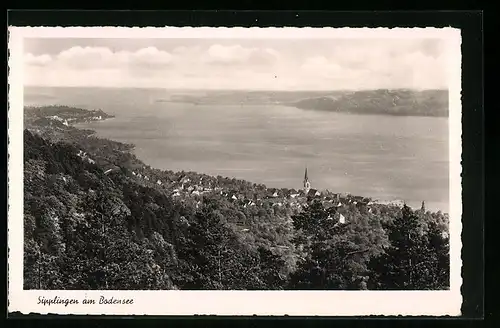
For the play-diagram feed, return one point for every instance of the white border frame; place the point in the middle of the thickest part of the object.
(293, 303)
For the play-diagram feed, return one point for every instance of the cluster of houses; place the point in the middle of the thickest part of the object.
(281, 198)
(70, 120)
(179, 188)
(59, 119)
(83, 155)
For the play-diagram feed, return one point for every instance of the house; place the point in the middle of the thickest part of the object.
(341, 218)
(158, 182)
(312, 193)
(56, 118)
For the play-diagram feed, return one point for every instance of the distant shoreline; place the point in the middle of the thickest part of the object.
(166, 101)
(382, 201)
(393, 102)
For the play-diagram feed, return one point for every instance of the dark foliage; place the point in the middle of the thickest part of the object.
(96, 217)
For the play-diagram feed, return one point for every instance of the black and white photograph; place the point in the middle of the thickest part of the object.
(243, 161)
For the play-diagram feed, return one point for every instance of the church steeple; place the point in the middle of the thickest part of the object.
(307, 184)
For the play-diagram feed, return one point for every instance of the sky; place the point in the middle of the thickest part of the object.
(243, 64)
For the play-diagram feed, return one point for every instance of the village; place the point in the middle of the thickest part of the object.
(192, 186)
(195, 186)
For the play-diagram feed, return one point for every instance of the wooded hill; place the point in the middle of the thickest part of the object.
(400, 102)
(390, 102)
(96, 217)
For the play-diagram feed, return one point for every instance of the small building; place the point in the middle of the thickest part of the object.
(312, 193)
(341, 218)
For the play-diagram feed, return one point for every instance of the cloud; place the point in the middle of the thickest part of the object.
(151, 56)
(76, 54)
(102, 57)
(30, 59)
(329, 64)
(321, 66)
(236, 54)
(380, 66)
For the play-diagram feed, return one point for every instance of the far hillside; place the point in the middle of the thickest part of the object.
(383, 101)
(391, 102)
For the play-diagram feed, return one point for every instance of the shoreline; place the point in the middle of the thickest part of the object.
(87, 126)
(300, 99)
(395, 200)
(291, 105)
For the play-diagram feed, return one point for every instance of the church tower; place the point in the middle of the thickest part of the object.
(307, 184)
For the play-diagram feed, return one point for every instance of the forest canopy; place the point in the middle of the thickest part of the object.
(96, 217)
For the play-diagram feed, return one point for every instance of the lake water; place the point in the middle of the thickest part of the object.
(383, 157)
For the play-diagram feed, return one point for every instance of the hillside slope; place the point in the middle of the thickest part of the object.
(390, 102)
(96, 217)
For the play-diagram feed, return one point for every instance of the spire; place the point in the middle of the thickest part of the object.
(307, 185)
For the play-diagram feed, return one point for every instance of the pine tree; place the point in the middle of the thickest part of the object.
(336, 255)
(409, 263)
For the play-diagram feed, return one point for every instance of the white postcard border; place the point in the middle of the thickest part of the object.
(322, 303)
